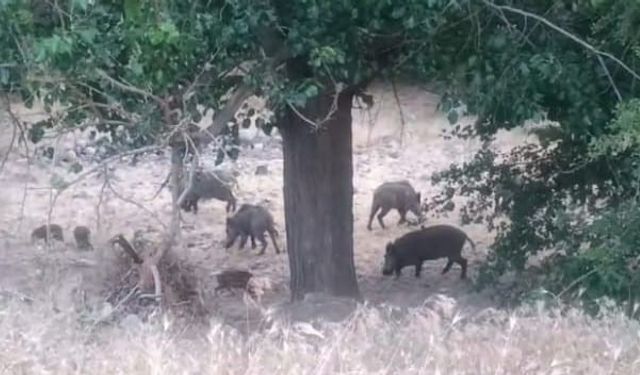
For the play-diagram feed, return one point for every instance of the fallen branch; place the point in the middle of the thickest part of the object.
(127, 247)
(156, 280)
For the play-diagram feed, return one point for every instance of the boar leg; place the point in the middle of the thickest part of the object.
(418, 268)
(231, 206)
(263, 241)
(463, 263)
(230, 242)
(243, 240)
(382, 214)
(403, 216)
(448, 266)
(272, 234)
(374, 209)
(253, 242)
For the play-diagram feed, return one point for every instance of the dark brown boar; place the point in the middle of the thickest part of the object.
(251, 221)
(427, 243)
(44, 232)
(394, 194)
(208, 185)
(81, 235)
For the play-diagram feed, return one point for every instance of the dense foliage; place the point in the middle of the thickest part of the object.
(576, 192)
(133, 63)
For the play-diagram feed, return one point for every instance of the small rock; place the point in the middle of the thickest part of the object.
(449, 206)
(131, 322)
(105, 311)
(262, 170)
(81, 195)
(75, 168)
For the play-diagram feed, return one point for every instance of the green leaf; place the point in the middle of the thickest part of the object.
(410, 22)
(58, 183)
(537, 117)
(311, 91)
(75, 168)
(452, 116)
(498, 41)
(36, 133)
(4, 76)
(82, 4)
(88, 34)
(398, 12)
(132, 9)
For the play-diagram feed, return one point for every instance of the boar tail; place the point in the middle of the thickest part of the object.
(473, 245)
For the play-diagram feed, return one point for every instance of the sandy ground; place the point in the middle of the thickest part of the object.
(62, 276)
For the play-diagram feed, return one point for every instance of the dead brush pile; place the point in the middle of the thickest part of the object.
(170, 286)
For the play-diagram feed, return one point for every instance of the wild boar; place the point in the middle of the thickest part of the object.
(427, 243)
(207, 185)
(81, 235)
(394, 194)
(44, 232)
(251, 221)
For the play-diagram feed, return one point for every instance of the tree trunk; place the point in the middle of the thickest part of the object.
(318, 199)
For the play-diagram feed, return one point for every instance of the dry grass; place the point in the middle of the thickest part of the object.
(426, 340)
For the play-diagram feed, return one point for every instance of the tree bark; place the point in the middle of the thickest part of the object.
(318, 199)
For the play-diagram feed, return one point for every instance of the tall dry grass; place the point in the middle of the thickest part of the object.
(430, 340)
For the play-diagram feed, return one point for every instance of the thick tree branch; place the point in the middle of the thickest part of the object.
(127, 248)
(162, 103)
(129, 88)
(242, 93)
(222, 117)
(610, 78)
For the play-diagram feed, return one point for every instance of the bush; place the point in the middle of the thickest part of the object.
(609, 264)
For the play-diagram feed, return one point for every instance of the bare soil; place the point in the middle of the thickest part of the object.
(68, 279)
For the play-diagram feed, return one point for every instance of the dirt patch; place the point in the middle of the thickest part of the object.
(127, 207)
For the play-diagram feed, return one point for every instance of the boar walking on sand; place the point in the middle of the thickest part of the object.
(251, 221)
(399, 195)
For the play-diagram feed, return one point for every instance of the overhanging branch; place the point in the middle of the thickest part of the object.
(242, 93)
(565, 33)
